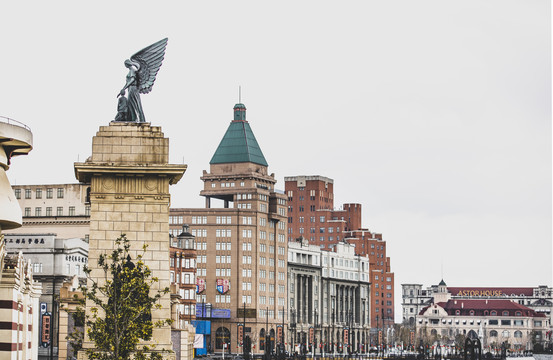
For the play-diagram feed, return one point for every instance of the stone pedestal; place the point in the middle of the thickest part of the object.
(129, 179)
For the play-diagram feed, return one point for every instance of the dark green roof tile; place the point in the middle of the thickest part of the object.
(238, 145)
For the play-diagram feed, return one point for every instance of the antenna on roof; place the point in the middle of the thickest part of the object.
(239, 94)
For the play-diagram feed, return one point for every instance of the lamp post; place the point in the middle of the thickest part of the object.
(244, 333)
(315, 326)
(334, 343)
(292, 329)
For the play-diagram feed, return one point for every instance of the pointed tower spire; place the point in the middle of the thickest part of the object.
(239, 143)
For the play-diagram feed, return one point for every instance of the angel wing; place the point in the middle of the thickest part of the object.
(150, 59)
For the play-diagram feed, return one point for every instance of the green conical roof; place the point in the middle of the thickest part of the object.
(239, 143)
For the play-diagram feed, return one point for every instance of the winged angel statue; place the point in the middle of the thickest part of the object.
(143, 67)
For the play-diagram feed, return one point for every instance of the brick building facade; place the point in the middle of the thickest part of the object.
(311, 214)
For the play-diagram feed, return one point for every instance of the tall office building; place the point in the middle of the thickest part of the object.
(241, 245)
(311, 214)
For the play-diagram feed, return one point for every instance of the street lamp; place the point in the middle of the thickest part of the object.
(332, 336)
(293, 329)
(316, 326)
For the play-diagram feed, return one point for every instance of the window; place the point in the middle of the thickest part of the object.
(506, 322)
(518, 322)
(38, 211)
(48, 211)
(493, 322)
(493, 333)
(49, 193)
(505, 334)
(87, 210)
(223, 233)
(27, 193)
(27, 211)
(223, 220)
(71, 211)
(505, 313)
(17, 193)
(38, 193)
(60, 193)
(537, 323)
(59, 211)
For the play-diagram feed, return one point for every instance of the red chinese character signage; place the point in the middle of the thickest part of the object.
(45, 333)
(240, 334)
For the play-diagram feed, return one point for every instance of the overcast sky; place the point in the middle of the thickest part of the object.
(434, 115)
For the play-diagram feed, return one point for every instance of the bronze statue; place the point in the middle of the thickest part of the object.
(143, 67)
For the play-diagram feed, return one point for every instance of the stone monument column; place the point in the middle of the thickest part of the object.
(129, 177)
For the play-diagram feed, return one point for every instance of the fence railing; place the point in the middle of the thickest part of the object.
(7, 120)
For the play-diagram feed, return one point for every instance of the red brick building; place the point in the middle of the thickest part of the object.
(182, 252)
(311, 214)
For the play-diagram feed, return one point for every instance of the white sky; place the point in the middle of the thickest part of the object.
(434, 115)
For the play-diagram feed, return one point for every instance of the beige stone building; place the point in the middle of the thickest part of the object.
(62, 209)
(241, 245)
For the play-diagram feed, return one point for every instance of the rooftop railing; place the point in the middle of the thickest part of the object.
(7, 120)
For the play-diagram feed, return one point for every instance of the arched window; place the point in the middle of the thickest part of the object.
(505, 334)
(505, 313)
(433, 332)
(272, 338)
(518, 334)
(457, 312)
(518, 313)
(262, 339)
(222, 336)
(493, 333)
(471, 313)
(486, 312)
(494, 313)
